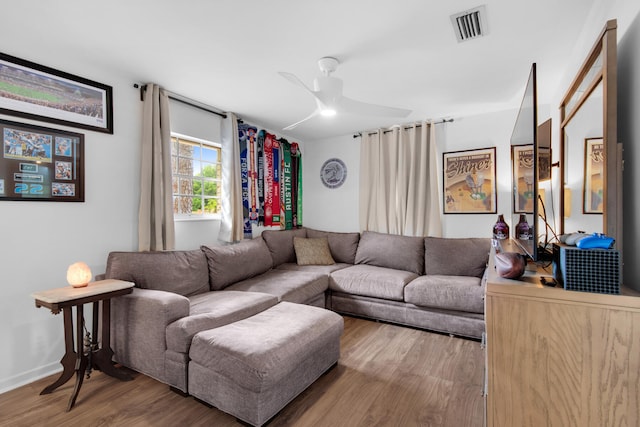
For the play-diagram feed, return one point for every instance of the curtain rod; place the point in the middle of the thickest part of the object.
(359, 134)
(184, 100)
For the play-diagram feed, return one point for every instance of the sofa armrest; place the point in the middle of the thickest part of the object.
(138, 328)
(485, 277)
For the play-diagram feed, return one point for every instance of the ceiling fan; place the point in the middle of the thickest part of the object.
(327, 91)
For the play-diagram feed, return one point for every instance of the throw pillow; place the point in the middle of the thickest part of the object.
(312, 251)
(343, 246)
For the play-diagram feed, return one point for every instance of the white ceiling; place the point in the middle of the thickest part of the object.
(401, 53)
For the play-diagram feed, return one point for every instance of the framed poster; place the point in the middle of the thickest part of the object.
(593, 178)
(41, 164)
(37, 92)
(522, 178)
(470, 181)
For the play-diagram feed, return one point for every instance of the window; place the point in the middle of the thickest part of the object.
(197, 172)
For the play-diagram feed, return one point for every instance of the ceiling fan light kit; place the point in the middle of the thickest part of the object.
(328, 112)
(327, 92)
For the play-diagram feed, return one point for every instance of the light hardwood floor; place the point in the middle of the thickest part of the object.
(387, 375)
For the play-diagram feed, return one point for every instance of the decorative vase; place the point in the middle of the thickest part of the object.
(501, 229)
(523, 231)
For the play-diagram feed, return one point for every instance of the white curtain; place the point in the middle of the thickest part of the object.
(155, 214)
(231, 225)
(399, 181)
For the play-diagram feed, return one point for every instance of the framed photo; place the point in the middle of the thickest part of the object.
(522, 171)
(593, 178)
(41, 164)
(42, 93)
(470, 181)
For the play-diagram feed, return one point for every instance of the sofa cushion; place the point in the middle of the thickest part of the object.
(324, 269)
(343, 246)
(260, 351)
(312, 251)
(391, 251)
(371, 281)
(287, 285)
(182, 272)
(212, 310)
(456, 257)
(461, 293)
(229, 264)
(280, 244)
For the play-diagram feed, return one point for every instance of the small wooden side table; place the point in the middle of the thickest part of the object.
(98, 356)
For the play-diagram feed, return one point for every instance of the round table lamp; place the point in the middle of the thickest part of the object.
(78, 274)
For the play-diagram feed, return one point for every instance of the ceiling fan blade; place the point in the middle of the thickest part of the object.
(315, 113)
(349, 105)
(296, 81)
(327, 91)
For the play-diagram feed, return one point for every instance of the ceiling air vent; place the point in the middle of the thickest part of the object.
(470, 24)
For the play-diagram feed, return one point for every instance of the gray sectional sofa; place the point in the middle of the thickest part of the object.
(430, 283)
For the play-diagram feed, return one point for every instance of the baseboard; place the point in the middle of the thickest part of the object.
(16, 381)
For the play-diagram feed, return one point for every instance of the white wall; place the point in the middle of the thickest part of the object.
(483, 131)
(337, 209)
(40, 240)
(331, 209)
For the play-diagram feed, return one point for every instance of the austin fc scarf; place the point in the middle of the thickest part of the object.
(296, 185)
(287, 196)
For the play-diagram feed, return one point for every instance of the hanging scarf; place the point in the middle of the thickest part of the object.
(287, 198)
(276, 182)
(268, 180)
(252, 175)
(243, 131)
(296, 185)
(260, 178)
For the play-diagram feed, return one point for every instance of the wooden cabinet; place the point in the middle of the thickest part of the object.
(560, 358)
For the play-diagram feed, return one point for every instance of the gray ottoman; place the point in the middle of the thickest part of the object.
(252, 368)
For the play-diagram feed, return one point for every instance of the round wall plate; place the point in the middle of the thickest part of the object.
(333, 173)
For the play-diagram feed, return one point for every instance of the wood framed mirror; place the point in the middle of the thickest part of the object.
(591, 166)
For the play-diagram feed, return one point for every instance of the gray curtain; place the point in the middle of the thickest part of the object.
(399, 181)
(231, 225)
(155, 215)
